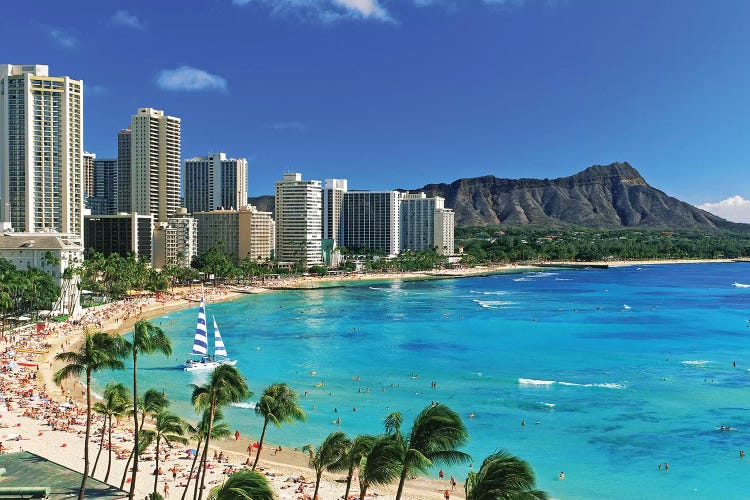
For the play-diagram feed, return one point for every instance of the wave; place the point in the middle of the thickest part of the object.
(498, 292)
(603, 385)
(493, 304)
(534, 276)
(741, 285)
(548, 405)
(563, 279)
(699, 362)
(247, 406)
(531, 381)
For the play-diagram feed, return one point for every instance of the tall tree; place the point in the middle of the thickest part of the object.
(168, 428)
(226, 385)
(220, 430)
(330, 456)
(98, 351)
(151, 403)
(115, 404)
(435, 434)
(147, 339)
(380, 465)
(244, 484)
(503, 476)
(359, 448)
(279, 405)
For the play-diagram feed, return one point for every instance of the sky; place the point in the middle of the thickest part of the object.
(402, 93)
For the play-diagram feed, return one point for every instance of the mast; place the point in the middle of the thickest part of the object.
(219, 349)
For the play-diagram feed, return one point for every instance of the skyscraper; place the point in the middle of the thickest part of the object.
(41, 150)
(122, 186)
(298, 220)
(155, 164)
(88, 174)
(104, 199)
(333, 196)
(370, 220)
(214, 182)
(418, 221)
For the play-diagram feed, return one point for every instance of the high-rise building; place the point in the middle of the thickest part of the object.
(41, 150)
(155, 164)
(333, 196)
(176, 241)
(370, 220)
(298, 220)
(418, 221)
(104, 199)
(88, 174)
(445, 227)
(122, 186)
(122, 234)
(214, 182)
(244, 232)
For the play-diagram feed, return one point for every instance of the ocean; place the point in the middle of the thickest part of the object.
(611, 372)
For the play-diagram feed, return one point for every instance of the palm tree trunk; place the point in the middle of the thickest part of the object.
(130, 457)
(205, 450)
(349, 481)
(109, 461)
(88, 434)
(363, 489)
(101, 445)
(260, 443)
(192, 468)
(156, 472)
(131, 495)
(401, 482)
(317, 483)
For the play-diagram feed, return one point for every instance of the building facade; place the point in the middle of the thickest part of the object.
(122, 234)
(88, 174)
(176, 241)
(155, 164)
(418, 218)
(214, 182)
(104, 199)
(298, 220)
(241, 232)
(123, 182)
(445, 228)
(41, 150)
(333, 197)
(370, 220)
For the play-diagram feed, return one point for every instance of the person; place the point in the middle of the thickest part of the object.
(562, 475)
(666, 465)
(166, 490)
(447, 495)
(523, 423)
(742, 454)
(236, 435)
(250, 449)
(441, 474)
(453, 483)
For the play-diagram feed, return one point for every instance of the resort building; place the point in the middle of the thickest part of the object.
(333, 197)
(214, 182)
(41, 150)
(88, 174)
(370, 220)
(53, 254)
(241, 232)
(176, 241)
(122, 234)
(123, 182)
(298, 220)
(445, 227)
(104, 200)
(155, 164)
(426, 224)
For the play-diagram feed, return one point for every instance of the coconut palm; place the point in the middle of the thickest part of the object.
(330, 456)
(244, 484)
(151, 403)
(503, 476)
(98, 351)
(381, 465)
(220, 430)
(278, 405)
(435, 434)
(147, 339)
(225, 386)
(168, 428)
(359, 447)
(115, 404)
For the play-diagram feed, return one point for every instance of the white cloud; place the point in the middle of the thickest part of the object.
(325, 11)
(125, 18)
(735, 209)
(63, 38)
(365, 8)
(287, 126)
(190, 79)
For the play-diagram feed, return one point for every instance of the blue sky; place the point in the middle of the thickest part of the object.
(399, 93)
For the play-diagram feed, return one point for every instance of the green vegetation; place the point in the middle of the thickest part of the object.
(25, 292)
(528, 243)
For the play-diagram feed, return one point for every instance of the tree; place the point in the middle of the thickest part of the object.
(278, 405)
(330, 456)
(244, 484)
(220, 430)
(147, 339)
(435, 434)
(169, 428)
(503, 476)
(151, 403)
(359, 448)
(115, 404)
(381, 464)
(226, 385)
(98, 351)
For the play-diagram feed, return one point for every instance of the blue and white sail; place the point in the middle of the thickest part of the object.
(200, 343)
(219, 349)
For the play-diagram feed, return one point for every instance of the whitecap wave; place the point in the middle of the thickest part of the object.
(548, 405)
(247, 406)
(493, 304)
(604, 385)
(741, 285)
(698, 362)
(535, 276)
(498, 292)
(531, 381)
(563, 279)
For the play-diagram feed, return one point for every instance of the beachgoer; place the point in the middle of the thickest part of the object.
(447, 495)
(166, 490)
(250, 449)
(441, 474)
(562, 475)
(666, 465)
(742, 454)
(236, 435)
(453, 483)
(659, 466)
(523, 423)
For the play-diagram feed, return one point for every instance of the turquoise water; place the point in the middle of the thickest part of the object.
(624, 369)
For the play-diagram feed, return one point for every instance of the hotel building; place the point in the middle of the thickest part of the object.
(88, 174)
(122, 186)
(298, 220)
(104, 199)
(370, 220)
(214, 182)
(176, 241)
(242, 232)
(122, 234)
(333, 197)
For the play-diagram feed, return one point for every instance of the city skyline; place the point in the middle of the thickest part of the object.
(396, 94)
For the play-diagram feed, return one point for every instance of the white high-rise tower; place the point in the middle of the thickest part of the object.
(298, 220)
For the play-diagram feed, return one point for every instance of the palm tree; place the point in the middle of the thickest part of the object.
(147, 339)
(98, 351)
(503, 477)
(279, 405)
(151, 403)
(115, 404)
(169, 428)
(220, 430)
(330, 456)
(381, 464)
(435, 434)
(359, 448)
(225, 386)
(244, 484)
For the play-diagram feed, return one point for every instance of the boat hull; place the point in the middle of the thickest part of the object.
(207, 366)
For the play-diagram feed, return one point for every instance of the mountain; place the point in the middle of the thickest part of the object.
(606, 196)
(263, 203)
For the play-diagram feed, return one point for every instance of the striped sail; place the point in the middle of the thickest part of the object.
(219, 349)
(200, 344)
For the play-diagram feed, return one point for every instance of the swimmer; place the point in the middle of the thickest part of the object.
(523, 423)
(472, 415)
(538, 422)
(742, 454)
(561, 476)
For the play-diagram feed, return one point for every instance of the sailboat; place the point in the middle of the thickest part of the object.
(201, 359)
